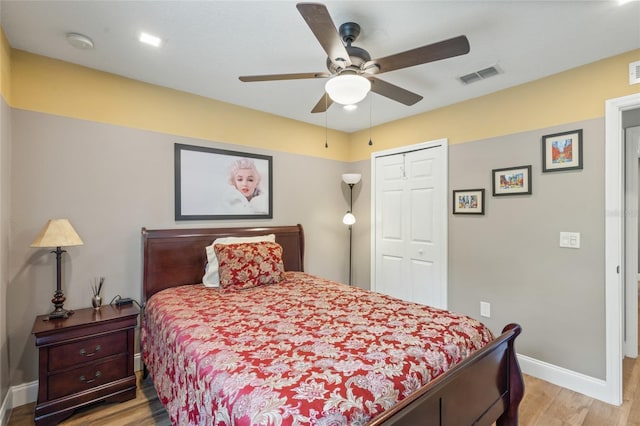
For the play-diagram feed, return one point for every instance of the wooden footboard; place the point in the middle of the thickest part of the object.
(485, 388)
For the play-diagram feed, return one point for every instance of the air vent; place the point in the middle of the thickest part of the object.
(479, 75)
(634, 72)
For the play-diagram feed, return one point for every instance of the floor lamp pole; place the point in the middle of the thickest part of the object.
(350, 230)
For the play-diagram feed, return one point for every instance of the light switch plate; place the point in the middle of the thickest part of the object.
(570, 240)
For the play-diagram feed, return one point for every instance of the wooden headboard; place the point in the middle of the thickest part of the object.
(172, 257)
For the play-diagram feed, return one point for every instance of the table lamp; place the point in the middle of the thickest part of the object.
(58, 233)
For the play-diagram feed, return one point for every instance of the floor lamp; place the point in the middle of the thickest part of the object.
(349, 219)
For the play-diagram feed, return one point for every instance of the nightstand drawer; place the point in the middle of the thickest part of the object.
(87, 377)
(71, 354)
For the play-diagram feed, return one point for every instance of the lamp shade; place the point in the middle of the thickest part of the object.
(347, 89)
(57, 233)
(349, 219)
(351, 178)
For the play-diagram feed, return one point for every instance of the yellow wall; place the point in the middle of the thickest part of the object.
(573, 95)
(51, 86)
(56, 87)
(5, 67)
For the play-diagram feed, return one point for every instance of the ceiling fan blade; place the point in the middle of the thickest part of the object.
(273, 77)
(323, 104)
(432, 52)
(317, 17)
(394, 92)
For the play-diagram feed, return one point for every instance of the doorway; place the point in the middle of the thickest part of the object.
(630, 230)
(614, 243)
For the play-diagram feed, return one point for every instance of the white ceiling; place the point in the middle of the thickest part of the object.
(208, 44)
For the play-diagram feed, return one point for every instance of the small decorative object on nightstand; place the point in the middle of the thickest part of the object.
(84, 359)
(96, 288)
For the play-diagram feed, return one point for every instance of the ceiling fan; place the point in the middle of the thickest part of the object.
(344, 59)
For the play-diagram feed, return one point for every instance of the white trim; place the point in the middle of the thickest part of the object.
(586, 385)
(4, 409)
(613, 244)
(631, 155)
(27, 393)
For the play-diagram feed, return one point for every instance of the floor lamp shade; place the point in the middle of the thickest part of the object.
(58, 233)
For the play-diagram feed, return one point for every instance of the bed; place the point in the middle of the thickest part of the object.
(210, 367)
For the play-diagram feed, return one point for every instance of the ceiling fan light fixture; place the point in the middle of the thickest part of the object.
(348, 89)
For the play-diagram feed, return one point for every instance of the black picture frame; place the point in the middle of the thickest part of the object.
(468, 201)
(511, 181)
(204, 188)
(562, 151)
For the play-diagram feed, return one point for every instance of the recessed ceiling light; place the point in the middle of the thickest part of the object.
(150, 39)
(79, 41)
(351, 107)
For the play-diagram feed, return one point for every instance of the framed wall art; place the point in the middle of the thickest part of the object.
(213, 184)
(468, 201)
(562, 151)
(512, 181)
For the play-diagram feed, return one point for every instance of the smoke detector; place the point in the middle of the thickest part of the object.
(79, 41)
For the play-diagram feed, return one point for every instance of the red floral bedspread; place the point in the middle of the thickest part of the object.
(303, 351)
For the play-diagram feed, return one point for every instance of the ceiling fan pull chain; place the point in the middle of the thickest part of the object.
(370, 109)
(326, 142)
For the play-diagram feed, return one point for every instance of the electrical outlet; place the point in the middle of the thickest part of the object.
(485, 309)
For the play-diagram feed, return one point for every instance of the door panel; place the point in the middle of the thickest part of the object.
(410, 205)
(391, 269)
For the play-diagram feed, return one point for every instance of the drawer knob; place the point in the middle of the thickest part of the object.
(97, 349)
(95, 377)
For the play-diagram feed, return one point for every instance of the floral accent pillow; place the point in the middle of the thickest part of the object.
(211, 277)
(247, 265)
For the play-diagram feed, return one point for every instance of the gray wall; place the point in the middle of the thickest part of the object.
(5, 207)
(510, 257)
(110, 181)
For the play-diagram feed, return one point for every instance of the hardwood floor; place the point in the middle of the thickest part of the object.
(543, 405)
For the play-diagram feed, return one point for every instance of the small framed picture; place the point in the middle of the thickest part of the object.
(468, 201)
(512, 181)
(562, 151)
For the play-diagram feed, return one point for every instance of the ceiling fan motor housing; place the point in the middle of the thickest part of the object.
(349, 31)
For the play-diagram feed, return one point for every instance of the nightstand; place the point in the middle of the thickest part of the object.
(83, 359)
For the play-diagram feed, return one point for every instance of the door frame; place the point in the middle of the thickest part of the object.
(612, 392)
(630, 235)
(444, 143)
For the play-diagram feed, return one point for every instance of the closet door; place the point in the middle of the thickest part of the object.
(410, 221)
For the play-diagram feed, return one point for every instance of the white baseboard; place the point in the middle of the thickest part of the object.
(28, 392)
(581, 383)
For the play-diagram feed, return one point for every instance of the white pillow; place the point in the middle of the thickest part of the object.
(211, 277)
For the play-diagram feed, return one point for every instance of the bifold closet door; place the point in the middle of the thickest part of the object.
(410, 220)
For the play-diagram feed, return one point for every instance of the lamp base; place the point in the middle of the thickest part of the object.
(56, 314)
(58, 302)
